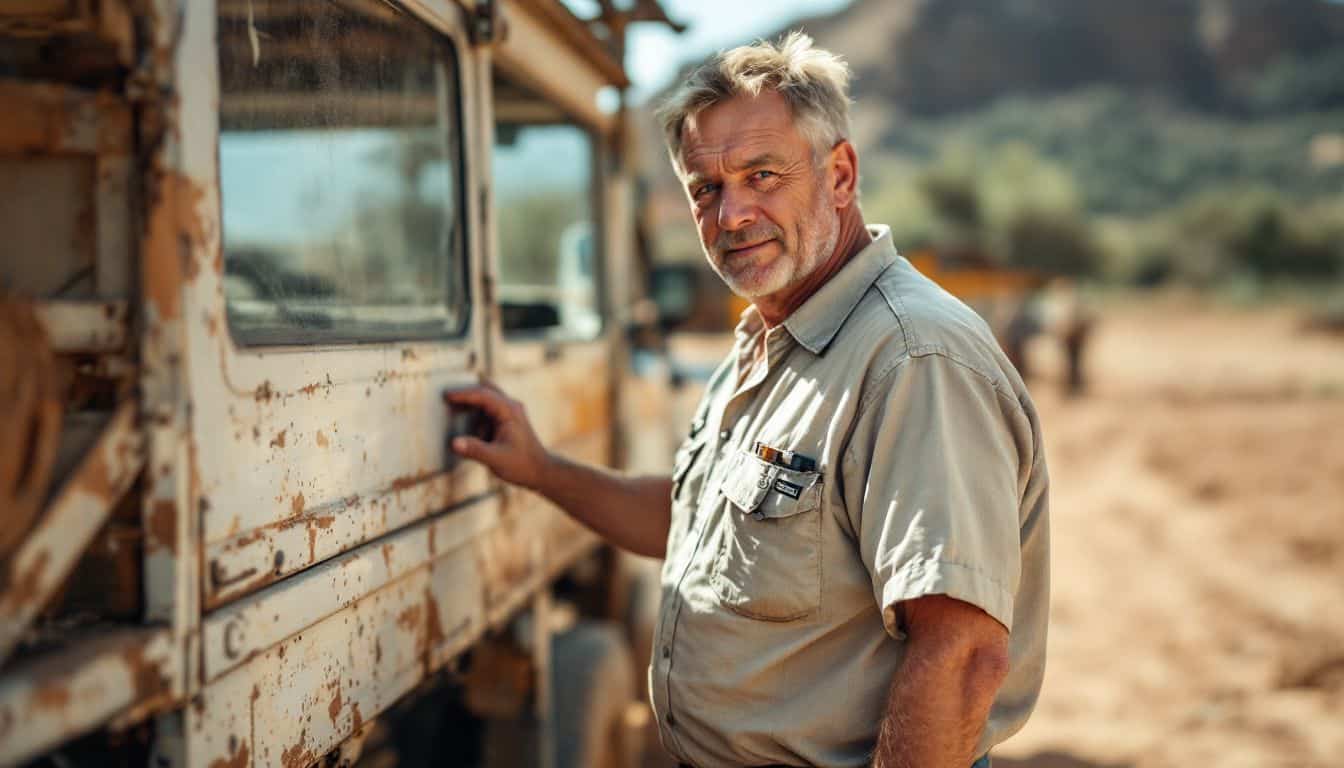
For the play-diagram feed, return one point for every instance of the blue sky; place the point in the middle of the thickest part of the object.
(656, 53)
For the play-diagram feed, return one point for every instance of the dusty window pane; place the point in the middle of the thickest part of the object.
(547, 237)
(340, 173)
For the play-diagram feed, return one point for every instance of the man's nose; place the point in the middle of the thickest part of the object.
(737, 209)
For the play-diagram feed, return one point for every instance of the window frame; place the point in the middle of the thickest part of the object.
(598, 144)
(460, 247)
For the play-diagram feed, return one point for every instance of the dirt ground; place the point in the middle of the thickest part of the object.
(1197, 608)
(1198, 545)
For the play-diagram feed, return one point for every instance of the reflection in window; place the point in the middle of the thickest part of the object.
(339, 168)
(548, 261)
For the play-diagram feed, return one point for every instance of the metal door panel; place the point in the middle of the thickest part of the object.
(251, 625)
(293, 703)
(308, 451)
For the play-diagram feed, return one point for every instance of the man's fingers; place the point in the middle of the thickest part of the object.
(491, 401)
(477, 450)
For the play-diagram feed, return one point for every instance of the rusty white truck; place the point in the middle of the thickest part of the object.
(245, 245)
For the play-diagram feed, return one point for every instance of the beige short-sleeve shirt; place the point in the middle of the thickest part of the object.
(909, 463)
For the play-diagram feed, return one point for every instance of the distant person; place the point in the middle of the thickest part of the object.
(855, 529)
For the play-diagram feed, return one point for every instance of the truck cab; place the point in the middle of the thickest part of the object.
(252, 243)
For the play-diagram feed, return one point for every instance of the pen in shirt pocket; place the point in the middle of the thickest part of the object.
(786, 459)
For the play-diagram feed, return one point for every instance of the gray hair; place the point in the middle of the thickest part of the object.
(814, 82)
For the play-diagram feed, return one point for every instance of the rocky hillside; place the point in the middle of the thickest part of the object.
(932, 57)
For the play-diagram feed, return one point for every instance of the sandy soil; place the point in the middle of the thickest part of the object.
(1198, 539)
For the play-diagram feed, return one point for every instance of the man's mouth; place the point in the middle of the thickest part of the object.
(747, 250)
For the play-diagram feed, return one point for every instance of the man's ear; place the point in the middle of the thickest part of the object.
(844, 166)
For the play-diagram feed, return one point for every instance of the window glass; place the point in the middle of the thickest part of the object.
(544, 191)
(340, 160)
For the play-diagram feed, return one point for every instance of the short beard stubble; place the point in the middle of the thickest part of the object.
(786, 269)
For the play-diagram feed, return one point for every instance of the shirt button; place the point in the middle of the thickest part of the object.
(671, 720)
(667, 651)
(723, 435)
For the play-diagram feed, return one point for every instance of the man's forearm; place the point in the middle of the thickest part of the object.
(931, 721)
(631, 512)
(956, 658)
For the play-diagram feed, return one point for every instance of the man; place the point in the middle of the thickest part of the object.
(855, 530)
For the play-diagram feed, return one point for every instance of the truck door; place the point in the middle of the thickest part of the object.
(332, 300)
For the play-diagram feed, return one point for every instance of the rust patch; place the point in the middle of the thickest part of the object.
(264, 392)
(387, 556)
(42, 118)
(297, 504)
(410, 481)
(377, 650)
(334, 708)
(279, 440)
(322, 439)
(312, 543)
(54, 696)
(162, 524)
(433, 627)
(249, 538)
(408, 354)
(190, 269)
(25, 586)
(356, 716)
(324, 522)
(146, 677)
(299, 755)
(409, 619)
(433, 544)
(237, 759)
(174, 225)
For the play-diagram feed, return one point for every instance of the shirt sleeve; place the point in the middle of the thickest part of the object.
(933, 481)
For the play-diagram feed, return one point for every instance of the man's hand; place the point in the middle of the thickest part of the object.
(515, 455)
(956, 658)
(633, 513)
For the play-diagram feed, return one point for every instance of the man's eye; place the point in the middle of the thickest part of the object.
(763, 175)
(704, 189)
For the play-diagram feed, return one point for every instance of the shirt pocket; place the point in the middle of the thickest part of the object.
(768, 565)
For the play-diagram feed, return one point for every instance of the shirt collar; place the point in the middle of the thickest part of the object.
(815, 323)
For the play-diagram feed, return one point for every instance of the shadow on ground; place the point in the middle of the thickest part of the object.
(1052, 760)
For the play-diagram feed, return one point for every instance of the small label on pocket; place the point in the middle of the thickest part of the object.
(788, 489)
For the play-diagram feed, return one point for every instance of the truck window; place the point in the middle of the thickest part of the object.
(340, 154)
(545, 192)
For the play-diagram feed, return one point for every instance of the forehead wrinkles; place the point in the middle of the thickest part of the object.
(729, 152)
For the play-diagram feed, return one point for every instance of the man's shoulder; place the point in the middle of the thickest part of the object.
(906, 315)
